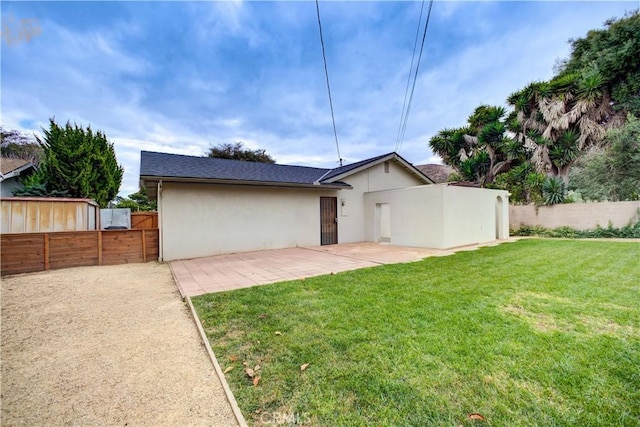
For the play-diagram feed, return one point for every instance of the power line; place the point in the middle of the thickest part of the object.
(415, 77)
(406, 90)
(326, 73)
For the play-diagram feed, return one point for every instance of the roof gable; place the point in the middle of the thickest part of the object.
(344, 171)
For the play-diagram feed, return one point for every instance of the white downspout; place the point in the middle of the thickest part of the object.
(160, 227)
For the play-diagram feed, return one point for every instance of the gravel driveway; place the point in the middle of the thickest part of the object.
(108, 345)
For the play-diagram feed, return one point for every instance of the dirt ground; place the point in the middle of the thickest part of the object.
(110, 345)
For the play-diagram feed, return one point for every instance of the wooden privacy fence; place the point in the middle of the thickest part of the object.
(144, 220)
(28, 252)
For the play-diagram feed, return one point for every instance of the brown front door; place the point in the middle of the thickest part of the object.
(328, 220)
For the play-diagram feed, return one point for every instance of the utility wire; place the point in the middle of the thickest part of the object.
(406, 90)
(415, 77)
(326, 73)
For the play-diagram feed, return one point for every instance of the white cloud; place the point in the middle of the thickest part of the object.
(183, 98)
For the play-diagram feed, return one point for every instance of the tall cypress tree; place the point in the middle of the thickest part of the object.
(80, 162)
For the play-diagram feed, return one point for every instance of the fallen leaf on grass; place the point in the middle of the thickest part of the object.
(229, 369)
(262, 316)
(278, 333)
(249, 372)
(476, 417)
(257, 368)
(256, 380)
(233, 358)
(245, 363)
(303, 367)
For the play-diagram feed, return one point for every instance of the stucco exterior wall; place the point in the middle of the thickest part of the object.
(199, 220)
(581, 216)
(471, 215)
(438, 216)
(351, 210)
(415, 216)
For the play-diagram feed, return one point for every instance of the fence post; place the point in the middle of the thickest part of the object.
(99, 247)
(46, 251)
(144, 246)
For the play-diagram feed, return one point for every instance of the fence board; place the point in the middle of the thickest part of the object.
(144, 220)
(28, 252)
(26, 255)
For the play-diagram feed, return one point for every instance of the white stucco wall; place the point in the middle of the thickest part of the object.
(199, 220)
(437, 216)
(415, 213)
(351, 211)
(470, 215)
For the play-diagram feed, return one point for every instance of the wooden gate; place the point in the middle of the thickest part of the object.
(328, 220)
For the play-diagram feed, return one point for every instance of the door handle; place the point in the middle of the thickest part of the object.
(336, 220)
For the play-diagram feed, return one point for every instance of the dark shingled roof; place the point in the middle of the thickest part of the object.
(178, 166)
(162, 165)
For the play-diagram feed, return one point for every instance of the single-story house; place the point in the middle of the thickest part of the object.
(209, 206)
(10, 171)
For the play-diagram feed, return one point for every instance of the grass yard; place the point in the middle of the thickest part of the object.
(537, 332)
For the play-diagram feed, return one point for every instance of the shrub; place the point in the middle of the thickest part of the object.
(629, 231)
(553, 190)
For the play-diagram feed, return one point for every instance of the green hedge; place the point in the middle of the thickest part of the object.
(630, 231)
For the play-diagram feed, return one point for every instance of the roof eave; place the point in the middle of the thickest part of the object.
(16, 172)
(273, 184)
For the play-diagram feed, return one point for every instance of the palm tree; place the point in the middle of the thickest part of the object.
(559, 119)
(481, 150)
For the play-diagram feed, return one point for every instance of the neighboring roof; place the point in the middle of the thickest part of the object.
(175, 167)
(10, 167)
(437, 173)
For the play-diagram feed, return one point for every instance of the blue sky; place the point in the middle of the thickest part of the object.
(178, 77)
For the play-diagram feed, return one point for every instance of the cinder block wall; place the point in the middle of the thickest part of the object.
(581, 216)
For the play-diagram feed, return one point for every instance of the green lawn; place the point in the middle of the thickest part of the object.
(538, 332)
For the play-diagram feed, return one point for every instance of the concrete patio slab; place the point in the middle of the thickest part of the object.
(234, 271)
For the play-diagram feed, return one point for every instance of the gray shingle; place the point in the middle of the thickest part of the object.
(179, 166)
(162, 165)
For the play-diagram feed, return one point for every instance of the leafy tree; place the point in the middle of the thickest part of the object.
(615, 52)
(612, 173)
(238, 152)
(561, 119)
(16, 145)
(79, 162)
(482, 149)
(138, 201)
(558, 120)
